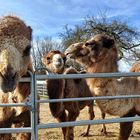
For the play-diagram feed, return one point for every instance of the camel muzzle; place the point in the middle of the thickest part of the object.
(8, 83)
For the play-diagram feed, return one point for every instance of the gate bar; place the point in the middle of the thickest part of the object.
(32, 106)
(15, 130)
(14, 104)
(36, 108)
(88, 75)
(87, 98)
(87, 122)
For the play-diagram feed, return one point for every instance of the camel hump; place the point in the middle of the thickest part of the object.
(71, 71)
(74, 71)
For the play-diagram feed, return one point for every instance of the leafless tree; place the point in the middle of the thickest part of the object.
(127, 38)
(41, 46)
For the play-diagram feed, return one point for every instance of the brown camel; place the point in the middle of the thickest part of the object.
(15, 38)
(66, 88)
(99, 55)
(77, 46)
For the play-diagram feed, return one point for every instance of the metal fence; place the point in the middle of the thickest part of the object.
(32, 104)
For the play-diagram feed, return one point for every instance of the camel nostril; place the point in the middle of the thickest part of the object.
(59, 60)
(14, 75)
(8, 81)
(9, 76)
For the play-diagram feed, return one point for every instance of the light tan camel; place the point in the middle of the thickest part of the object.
(78, 46)
(66, 88)
(15, 45)
(99, 55)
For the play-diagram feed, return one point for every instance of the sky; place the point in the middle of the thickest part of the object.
(48, 17)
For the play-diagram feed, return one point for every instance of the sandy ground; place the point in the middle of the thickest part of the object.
(95, 131)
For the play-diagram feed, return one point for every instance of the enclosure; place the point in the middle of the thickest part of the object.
(32, 102)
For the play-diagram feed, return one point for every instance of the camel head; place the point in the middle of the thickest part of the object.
(94, 50)
(76, 50)
(15, 45)
(54, 61)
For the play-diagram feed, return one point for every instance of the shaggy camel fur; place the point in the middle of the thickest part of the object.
(15, 44)
(66, 88)
(99, 54)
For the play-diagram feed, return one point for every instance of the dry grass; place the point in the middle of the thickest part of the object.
(95, 131)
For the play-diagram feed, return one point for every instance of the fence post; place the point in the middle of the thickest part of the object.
(33, 110)
(35, 98)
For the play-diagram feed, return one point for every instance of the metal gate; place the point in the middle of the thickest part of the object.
(33, 102)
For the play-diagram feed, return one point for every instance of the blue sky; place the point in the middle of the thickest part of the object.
(48, 17)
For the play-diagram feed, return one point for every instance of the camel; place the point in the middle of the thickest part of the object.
(15, 61)
(66, 88)
(77, 46)
(99, 55)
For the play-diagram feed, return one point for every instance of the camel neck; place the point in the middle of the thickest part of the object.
(102, 67)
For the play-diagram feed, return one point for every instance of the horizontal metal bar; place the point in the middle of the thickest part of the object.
(25, 79)
(14, 104)
(87, 122)
(15, 130)
(87, 98)
(89, 75)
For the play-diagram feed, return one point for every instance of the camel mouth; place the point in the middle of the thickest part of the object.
(9, 89)
(69, 55)
(72, 53)
(58, 67)
(69, 52)
(8, 84)
(58, 64)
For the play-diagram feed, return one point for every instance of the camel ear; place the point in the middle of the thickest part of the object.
(43, 60)
(27, 51)
(30, 66)
(46, 60)
(30, 32)
(108, 42)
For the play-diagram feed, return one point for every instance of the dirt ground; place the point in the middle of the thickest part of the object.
(95, 131)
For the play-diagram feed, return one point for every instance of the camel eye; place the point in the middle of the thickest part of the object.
(48, 58)
(87, 44)
(93, 43)
(94, 48)
(27, 51)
